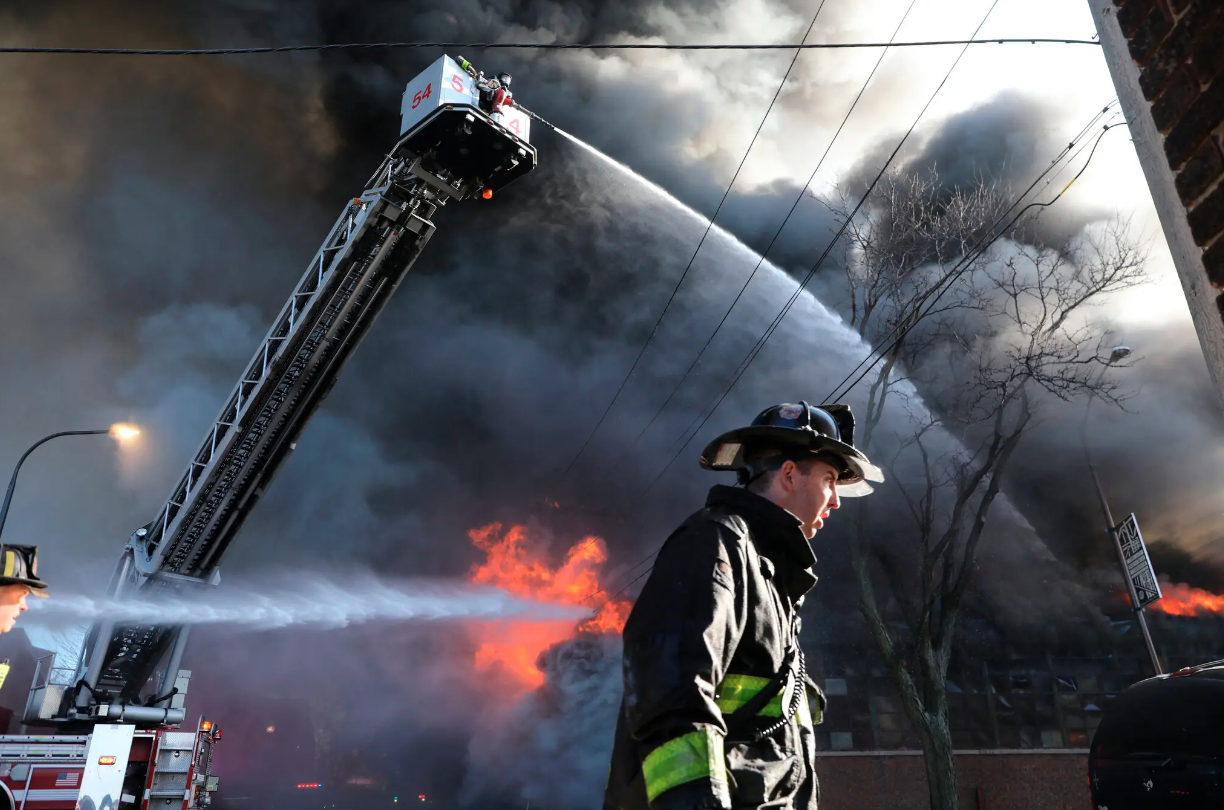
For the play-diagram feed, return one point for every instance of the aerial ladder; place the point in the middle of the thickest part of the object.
(121, 738)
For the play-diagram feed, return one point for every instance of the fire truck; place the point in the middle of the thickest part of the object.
(117, 720)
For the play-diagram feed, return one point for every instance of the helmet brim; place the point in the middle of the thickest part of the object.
(727, 452)
(37, 586)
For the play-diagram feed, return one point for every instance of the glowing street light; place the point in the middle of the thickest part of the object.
(123, 432)
(120, 431)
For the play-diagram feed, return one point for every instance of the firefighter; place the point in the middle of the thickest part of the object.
(18, 580)
(495, 94)
(715, 712)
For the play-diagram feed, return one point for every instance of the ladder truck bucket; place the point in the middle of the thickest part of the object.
(442, 122)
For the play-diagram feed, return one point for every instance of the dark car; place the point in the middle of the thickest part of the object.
(1161, 745)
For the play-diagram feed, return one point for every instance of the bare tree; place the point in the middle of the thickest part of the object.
(68, 644)
(986, 338)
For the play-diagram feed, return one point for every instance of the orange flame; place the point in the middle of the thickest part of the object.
(610, 618)
(1180, 599)
(517, 564)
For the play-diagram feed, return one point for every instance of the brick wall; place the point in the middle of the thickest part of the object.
(1178, 46)
(988, 781)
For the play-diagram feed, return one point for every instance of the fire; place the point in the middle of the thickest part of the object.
(610, 618)
(517, 564)
(1180, 599)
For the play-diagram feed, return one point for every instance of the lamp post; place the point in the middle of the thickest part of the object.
(1119, 353)
(120, 432)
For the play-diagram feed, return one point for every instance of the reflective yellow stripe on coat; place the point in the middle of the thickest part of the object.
(736, 690)
(696, 755)
(699, 754)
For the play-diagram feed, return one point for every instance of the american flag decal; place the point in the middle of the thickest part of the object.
(66, 779)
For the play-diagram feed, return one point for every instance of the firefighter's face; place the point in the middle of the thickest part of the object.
(12, 603)
(809, 492)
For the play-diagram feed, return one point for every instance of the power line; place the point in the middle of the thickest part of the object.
(967, 261)
(627, 585)
(970, 256)
(627, 571)
(760, 344)
(769, 247)
(974, 256)
(675, 290)
(602, 46)
(997, 235)
(752, 353)
(680, 281)
(755, 350)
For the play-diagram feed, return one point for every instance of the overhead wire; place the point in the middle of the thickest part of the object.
(680, 281)
(786, 307)
(922, 313)
(709, 226)
(627, 585)
(601, 46)
(626, 572)
(768, 248)
(837, 391)
(970, 256)
(1058, 159)
(695, 427)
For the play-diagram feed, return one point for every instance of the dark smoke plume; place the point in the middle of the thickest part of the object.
(155, 212)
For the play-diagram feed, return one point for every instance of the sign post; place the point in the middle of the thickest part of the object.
(1138, 564)
(1136, 567)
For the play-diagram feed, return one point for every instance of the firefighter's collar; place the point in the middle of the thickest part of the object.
(787, 526)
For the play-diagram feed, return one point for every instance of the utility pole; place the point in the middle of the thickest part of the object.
(1111, 527)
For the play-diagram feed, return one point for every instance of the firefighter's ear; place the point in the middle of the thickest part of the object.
(788, 474)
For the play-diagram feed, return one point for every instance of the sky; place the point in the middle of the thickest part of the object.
(155, 212)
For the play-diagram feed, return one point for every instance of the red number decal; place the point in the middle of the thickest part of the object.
(514, 125)
(417, 98)
(457, 83)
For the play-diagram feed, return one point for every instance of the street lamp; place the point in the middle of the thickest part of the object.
(1118, 353)
(119, 431)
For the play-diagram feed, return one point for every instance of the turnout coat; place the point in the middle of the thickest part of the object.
(713, 626)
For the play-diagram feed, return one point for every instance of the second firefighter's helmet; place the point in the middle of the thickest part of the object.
(798, 430)
(20, 567)
(504, 78)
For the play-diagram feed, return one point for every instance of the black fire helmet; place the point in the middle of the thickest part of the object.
(798, 431)
(19, 566)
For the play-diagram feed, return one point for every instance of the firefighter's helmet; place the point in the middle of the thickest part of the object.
(20, 567)
(504, 78)
(798, 431)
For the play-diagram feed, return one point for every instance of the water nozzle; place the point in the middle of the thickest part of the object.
(533, 116)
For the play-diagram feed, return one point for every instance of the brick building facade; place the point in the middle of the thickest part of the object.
(989, 780)
(1167, 62)
(1021, 724)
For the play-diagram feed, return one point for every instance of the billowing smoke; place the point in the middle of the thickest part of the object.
(553, 747)
(155, 212)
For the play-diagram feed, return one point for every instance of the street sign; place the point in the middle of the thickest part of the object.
(1138, 565)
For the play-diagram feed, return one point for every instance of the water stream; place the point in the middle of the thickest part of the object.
(307, 599)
